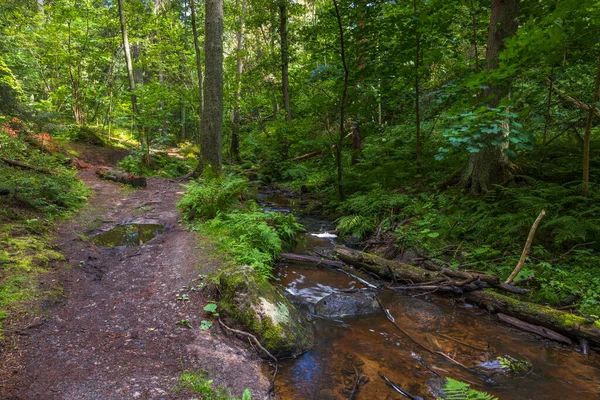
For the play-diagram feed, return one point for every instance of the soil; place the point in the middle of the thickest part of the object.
(114, 333)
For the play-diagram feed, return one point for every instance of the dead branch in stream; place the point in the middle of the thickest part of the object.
(437, 352)
(526, 248)
(409, 273)
(538, 330)
(397, 387)
(311, 260)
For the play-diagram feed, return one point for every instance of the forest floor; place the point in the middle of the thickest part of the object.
(114, 332)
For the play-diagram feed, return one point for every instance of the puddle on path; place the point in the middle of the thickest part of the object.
(128, 235)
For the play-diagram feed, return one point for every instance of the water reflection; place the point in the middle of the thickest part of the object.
(128, 235)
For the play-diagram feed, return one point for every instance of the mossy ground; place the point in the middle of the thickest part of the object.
(26, 257)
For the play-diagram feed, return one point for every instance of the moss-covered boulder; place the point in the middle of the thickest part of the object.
(261, 309)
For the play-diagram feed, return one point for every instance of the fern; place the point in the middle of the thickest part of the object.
(457, 390)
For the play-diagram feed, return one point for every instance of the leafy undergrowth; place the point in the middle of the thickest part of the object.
(241, 230)
(161, 163)
(31, 202)
(386, 195)
(197, 382)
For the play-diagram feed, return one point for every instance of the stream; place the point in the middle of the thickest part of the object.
(372, 344)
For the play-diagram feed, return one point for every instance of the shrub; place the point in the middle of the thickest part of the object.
(208, 196)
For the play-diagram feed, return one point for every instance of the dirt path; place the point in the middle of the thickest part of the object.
(115, 335)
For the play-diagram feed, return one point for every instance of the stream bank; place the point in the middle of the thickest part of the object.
(372, 343)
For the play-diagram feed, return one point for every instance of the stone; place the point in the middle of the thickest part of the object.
(259, 308)
(339, 305)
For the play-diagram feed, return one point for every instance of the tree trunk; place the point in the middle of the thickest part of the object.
(588, 135)
(338, 150)
(239, 66)
(487, 167)
(198, 63)
(212, 117)
(417, 92)
(285, 86)
(128, 61)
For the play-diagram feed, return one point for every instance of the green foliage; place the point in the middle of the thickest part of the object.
(208, 196)
(457, 390)
(51, 194)
(197, 382)
(254, 238)
(486, 127)
(517, 367)
(159, 165)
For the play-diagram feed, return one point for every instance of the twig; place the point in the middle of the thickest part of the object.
(398, 388)
(526, 248)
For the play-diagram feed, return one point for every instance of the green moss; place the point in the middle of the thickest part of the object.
(260, 308)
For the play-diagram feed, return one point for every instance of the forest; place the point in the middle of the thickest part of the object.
(433, 153)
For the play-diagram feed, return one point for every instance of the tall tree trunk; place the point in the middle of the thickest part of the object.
(417, 90)
(198, 65)
(212, 117)
(239, 65)
(588, 135)
(340, 142)
(487, 166)
(285, 85)
(128, 62)
(549, 105)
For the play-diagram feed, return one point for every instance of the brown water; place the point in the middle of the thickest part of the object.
(466, 334)
(128, 235)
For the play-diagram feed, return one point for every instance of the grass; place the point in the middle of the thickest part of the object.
(197, 382)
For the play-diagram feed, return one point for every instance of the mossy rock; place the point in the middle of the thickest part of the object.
(261, 309)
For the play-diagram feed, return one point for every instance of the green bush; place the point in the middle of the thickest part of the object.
(255, 238)
(208, 196)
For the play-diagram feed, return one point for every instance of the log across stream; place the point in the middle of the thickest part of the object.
(373, 344)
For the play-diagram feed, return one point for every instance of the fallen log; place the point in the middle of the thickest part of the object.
(412, 274)
(121, 177)
(538, 330)
(559, 321)
(454, 289)
(14, 163)
(311, 260)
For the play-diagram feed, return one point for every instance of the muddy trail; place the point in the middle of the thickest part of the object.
(115, 332)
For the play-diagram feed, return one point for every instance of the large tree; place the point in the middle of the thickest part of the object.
(488, 165)
(212, 115)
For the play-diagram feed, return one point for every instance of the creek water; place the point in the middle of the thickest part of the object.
(373, 344)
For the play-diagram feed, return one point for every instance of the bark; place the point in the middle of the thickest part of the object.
(198, 61)
(588, 135)
(574, 101)
(311, 260)
(417, 91)
(212, 116)
(121, 177)
(338, 150)
(285, 86)
(239, 66)
(128, 61)
(356, 142)
(526, 248)
(394, 270)
(14, 163)
(562, 322)
(548, 106)
(538, 330)
(487, 167)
